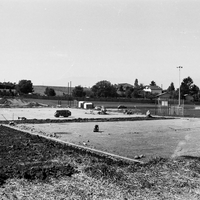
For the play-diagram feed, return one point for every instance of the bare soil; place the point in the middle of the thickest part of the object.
(166, 138)
(23, 155)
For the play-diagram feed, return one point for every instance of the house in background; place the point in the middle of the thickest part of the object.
(163, 99)
(122, 87)
(164, 96)
(154, 89)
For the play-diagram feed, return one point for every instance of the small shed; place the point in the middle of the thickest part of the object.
(81, 104)
(88, 105)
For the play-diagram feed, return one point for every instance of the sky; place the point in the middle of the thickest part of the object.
(55, 42)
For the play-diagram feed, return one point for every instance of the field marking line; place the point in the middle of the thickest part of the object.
(180, 146)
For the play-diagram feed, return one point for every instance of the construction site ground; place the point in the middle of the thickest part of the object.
(165, 138)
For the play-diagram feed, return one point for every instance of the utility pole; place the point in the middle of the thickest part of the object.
(70, 92)
(179, 96)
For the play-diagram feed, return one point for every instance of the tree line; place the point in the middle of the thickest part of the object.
(105, 89)
(23, 87)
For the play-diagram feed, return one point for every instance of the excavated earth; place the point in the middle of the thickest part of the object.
(31, 157)
(23, 155)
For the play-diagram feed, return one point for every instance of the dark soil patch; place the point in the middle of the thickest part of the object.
(23, 155)
(31, 157)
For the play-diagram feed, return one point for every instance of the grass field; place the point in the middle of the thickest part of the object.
(40, 89)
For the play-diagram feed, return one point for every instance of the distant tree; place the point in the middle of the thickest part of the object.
(104, 89)
(141, 86)
(128, 92)
(136, 84)
(185, 86)
(151, 95)
(7, 85)
(50, 92)
(153, 83)
(24, 87)
(121, 89)
(188, 87)
(89, 93)
(138, 91)
(171, 91)
(78, 91)
(194, 90)
(196, 94)
(171, 88)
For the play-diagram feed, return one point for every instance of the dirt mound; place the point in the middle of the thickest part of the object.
(19, 103)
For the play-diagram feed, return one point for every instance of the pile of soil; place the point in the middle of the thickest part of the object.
(19, 103)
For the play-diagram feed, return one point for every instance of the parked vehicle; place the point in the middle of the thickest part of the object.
(97, 107)
(63, 113)
(121, 107)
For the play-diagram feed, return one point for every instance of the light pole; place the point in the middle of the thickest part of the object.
(179, 96)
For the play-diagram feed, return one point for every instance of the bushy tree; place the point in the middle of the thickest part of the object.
(188, 87)
(194, 90)
(138, 91)
(120, 90)
(171, 88)
(7, 85)
(104, 89)
(24, 87)
(50, 92)
(153, 83)
(136, 83)
(151, 95)
(78, 92)
(89, 93)
(171, 91)
(128, 92)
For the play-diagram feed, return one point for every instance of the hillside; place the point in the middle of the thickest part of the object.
(58, 89)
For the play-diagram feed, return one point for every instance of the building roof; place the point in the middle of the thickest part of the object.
(163, 94)
(153, 87)
(125, 85)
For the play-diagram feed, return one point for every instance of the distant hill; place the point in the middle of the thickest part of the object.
(39, 89)
(58, 89)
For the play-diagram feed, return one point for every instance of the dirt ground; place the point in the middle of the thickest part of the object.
(168, 138)
(48, 113)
